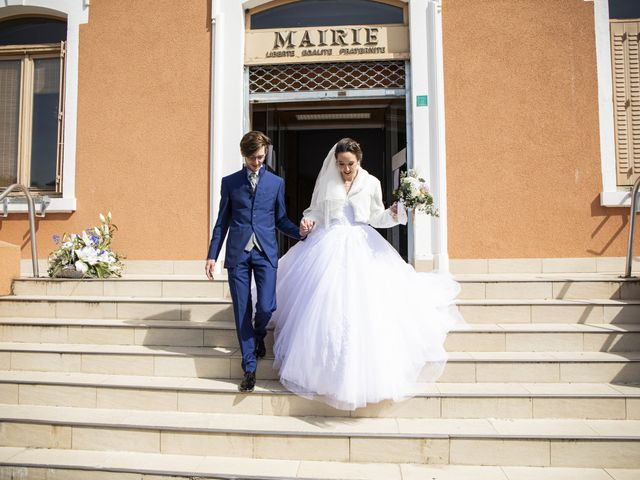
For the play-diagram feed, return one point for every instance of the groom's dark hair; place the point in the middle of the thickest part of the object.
(349, 145)
(252, 141)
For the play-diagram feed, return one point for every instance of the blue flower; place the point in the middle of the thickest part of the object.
(56, 238)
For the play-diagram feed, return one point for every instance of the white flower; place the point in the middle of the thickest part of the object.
(414, 186)
(109, 216)
(102, 219)
(106, 257)
(67, 245)
(88, 255)
(86, 239)
(413, 182)
(81, 266)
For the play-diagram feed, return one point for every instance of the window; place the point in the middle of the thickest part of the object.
(317, 13)
(31, 87)
(624, 26)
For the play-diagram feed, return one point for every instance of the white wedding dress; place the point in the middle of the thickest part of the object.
(356, 324)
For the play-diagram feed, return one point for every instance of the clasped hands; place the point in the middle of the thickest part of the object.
(306, 226)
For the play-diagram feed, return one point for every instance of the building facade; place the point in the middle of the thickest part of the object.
(523, 116)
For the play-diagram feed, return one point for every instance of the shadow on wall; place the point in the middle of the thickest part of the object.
(26, 236)
(621, 215)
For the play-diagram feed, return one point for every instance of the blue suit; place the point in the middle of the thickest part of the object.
(243, 213)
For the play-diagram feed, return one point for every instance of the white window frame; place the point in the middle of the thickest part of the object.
(27, 57)
(610, 196)
(75, 13)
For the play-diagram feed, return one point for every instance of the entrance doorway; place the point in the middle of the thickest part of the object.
(303, 133)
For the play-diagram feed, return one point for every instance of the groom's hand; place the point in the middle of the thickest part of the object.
(208, 268)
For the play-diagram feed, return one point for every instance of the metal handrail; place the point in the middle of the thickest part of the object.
(632, 227)
(32, 221)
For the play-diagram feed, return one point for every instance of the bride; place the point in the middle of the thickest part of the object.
(355, 324)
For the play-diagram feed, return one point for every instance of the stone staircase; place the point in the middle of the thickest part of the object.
(136, 378)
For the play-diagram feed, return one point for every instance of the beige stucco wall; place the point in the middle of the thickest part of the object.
(143, 130)
(523, 159)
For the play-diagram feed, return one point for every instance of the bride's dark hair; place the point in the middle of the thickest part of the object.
(349, 145)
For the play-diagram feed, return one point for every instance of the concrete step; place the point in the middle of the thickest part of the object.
(175, 286)
(473, 287)
(443, 400)
(550, 311)
(132, 308)
(548, 286)
(217, 362)
(61, 464)
(212, 309)
(522, 442)
(475, 337)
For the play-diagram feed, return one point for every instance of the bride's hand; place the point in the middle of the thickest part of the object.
(394, 209)
(305, 226)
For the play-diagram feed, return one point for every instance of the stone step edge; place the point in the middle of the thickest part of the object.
(458, 357)
(128, 421)
(114, 461)
(273, 387)
(459, 277)
(597, 328)
(117, 299)
(145, 279)
(216, 300)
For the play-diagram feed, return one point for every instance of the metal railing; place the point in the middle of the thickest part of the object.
(632, 227)
(32, 221)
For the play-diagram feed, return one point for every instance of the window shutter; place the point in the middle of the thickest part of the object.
(626, 98)
(10, 73)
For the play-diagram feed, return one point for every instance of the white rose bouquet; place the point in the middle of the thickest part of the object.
(414, 194)
(88, 254)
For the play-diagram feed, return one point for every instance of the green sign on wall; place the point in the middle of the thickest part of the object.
(421, 101)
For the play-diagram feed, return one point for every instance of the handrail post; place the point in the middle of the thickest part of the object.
(632, 227)
(32, 222)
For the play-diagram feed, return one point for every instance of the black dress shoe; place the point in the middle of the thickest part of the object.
(248, 382)
(261, 350)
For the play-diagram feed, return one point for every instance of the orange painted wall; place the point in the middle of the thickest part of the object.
(521, 129)
(143, 130)
(521, 106)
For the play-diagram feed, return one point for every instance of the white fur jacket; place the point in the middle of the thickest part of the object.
(365, 197)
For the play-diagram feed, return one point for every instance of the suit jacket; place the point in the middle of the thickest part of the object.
(243, 212)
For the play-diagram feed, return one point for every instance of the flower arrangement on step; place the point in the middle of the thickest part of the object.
(86, 255)
(414, 195)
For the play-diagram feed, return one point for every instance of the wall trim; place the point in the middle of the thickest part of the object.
(610, 195)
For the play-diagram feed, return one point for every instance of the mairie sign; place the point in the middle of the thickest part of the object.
(355, 42)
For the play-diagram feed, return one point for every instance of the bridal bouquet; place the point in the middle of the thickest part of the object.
(88, 254)
(414, 194)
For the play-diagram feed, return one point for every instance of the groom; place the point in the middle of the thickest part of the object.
(251, 208)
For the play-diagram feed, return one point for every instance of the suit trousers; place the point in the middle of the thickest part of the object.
(256, 263)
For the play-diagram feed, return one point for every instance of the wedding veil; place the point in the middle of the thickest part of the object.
(328, 194)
